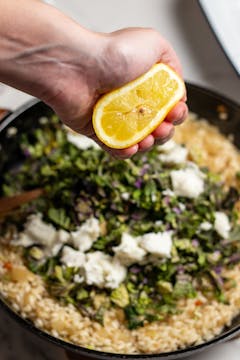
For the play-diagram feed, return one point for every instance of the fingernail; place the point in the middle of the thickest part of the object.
(165, 139)
(180, 120)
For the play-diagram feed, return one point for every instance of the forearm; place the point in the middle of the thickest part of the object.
(48, 55)
(34, 40)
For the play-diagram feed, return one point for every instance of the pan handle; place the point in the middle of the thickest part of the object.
(4, 113)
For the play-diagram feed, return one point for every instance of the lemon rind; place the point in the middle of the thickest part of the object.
(99, 107)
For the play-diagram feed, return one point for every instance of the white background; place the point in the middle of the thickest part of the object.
(204, 63)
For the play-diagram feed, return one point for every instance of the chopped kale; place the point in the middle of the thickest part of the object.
(59, 217)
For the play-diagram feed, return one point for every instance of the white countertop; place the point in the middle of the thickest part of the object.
(204, 63)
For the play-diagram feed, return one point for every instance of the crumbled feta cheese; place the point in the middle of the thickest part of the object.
(171, 152)
(168, 192)
(222, 224)
(86, 235)
(54, 250)
(167, 147)
(157, 243)
(37, 231)
(193, 166)
(78, 278)
(153, 197)
(129, 251)
(182, 206)
(177, 155)
(187, 182)
(71, 257)
(205, 226)
(103, 270)
(125, 196)
(63, 236)
(134, 249)
(158, 222)
(22, 240)
(81, 141)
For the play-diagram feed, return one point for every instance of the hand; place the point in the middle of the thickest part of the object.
(118, 58)
(48, 55)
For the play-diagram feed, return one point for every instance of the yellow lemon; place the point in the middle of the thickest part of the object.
(125, 116)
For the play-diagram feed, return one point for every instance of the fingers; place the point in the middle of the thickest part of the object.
(163, 133)
(146, 143)
(129, 43)
(168, 56)
(178, 114)
(117, 153)
(160, 135)
(165, 130)
(125, 153)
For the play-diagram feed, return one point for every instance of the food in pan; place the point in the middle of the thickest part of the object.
(134, 256)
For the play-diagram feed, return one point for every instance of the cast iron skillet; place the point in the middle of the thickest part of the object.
(201, 101)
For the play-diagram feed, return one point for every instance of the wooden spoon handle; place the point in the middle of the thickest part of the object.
(4, 113)
(9, 203)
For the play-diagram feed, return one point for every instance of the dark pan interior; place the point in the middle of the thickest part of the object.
(206, 104)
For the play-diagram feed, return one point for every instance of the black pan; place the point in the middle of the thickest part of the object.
(205, 103)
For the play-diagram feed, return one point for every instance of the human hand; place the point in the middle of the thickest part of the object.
(70, 67)
(118, 58)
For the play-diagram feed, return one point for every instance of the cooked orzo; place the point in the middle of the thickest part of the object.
(134, 256)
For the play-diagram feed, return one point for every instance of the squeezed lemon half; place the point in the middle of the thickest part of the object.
(125, 116)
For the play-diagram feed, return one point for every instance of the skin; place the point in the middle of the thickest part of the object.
(48, 55)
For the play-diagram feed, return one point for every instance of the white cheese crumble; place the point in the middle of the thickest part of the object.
(81, 141)
(129, 251)
(71, 257)
(134, 249)
(159, 244)
(174, 154)
(168, 192)
(37, 232)
(205, 226)
(187, 182)
(159, 222)
(86, 235)
(78, 279)
(168, 146)
(23, 239)
(153, 197)
(125, 196)
(103, 270)
(62, 237)
(182, 206)
(222, 224)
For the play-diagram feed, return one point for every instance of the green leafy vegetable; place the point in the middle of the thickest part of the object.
(126, 196)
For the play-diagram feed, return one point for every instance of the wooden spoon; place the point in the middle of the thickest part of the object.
(9, 203)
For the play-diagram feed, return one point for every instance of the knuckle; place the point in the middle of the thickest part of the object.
(114, 65)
